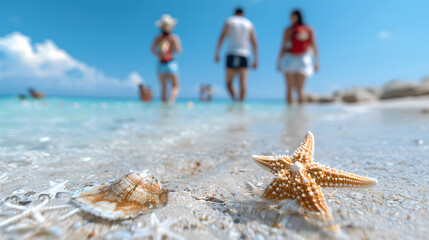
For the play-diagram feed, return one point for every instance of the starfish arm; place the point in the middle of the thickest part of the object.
(273, 164)
(310, 197)
(11, 205)
(19, 227)
(38, 216)
(12, 219)
(328, 177)
(304, 153)
(279, 188)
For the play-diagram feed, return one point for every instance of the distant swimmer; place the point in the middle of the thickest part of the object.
(145, 93)
(164, 47)
(209, 93)
(298, 45)
(202, 93)
(36, 94)
(240, 32)
(206, 93)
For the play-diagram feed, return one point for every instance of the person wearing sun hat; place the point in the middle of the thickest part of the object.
(165, 46)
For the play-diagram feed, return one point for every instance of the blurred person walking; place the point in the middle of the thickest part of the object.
(295, 56)
(240, 32)
(164, 47)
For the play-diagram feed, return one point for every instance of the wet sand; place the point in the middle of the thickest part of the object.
(214, 185)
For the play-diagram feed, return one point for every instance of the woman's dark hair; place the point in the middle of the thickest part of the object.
(299, 17)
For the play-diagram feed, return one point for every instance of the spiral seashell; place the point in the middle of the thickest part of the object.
(127, 197)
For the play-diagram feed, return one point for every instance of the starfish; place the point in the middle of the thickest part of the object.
(54, 189)
(299, 177)
(31, 211)
(157, 230)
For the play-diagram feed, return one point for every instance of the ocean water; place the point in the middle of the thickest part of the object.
(114, 134)
(51, 138)
(200, 147)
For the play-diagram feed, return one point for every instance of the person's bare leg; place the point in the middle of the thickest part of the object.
(229, 80)
(163, 81)
(300, 83)
(243, 83)
(290, 86)
(174, 89)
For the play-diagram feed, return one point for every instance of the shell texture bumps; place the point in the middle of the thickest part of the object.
(126, 197)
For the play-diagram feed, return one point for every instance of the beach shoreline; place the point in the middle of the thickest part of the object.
(203, 157)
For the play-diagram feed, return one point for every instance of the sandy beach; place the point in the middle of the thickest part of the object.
(202, 155)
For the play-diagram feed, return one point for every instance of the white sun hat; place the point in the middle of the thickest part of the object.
(166, 23)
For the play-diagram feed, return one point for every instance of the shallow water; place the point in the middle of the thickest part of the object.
(206, 149)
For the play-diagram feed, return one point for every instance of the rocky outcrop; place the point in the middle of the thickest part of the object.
(326, 99)
(399, 89)
(361, 94)
(311, 98)
(425, 81)
(393, 89)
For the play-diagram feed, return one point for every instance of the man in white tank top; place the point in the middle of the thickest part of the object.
(240, 32)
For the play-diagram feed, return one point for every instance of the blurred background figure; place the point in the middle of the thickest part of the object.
(294, 59)
(202, 93)
(145, 93)
(206, 93)
(240, 32)
(209, 93)
(164, 47)
(36, 94)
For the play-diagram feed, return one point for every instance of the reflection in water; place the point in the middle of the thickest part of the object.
(296, 124)
(168, 114)
(237, 116)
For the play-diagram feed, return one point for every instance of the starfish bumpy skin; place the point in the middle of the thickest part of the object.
(298, 177)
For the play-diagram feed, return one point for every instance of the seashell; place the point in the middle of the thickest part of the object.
(127, 197)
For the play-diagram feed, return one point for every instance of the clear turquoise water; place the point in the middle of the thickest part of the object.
(67, 122)
(116, 135)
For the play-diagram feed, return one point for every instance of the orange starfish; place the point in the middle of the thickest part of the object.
(298, 177)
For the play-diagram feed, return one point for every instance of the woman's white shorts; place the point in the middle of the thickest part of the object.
(298, 64)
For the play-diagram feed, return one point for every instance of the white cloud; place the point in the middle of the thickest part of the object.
(135, 78)
(384, 34)
(47, 66)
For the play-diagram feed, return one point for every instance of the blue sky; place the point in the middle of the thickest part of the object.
(361, 42)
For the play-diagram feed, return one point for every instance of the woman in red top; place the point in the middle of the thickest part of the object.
(294, 59)
(164, 47)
